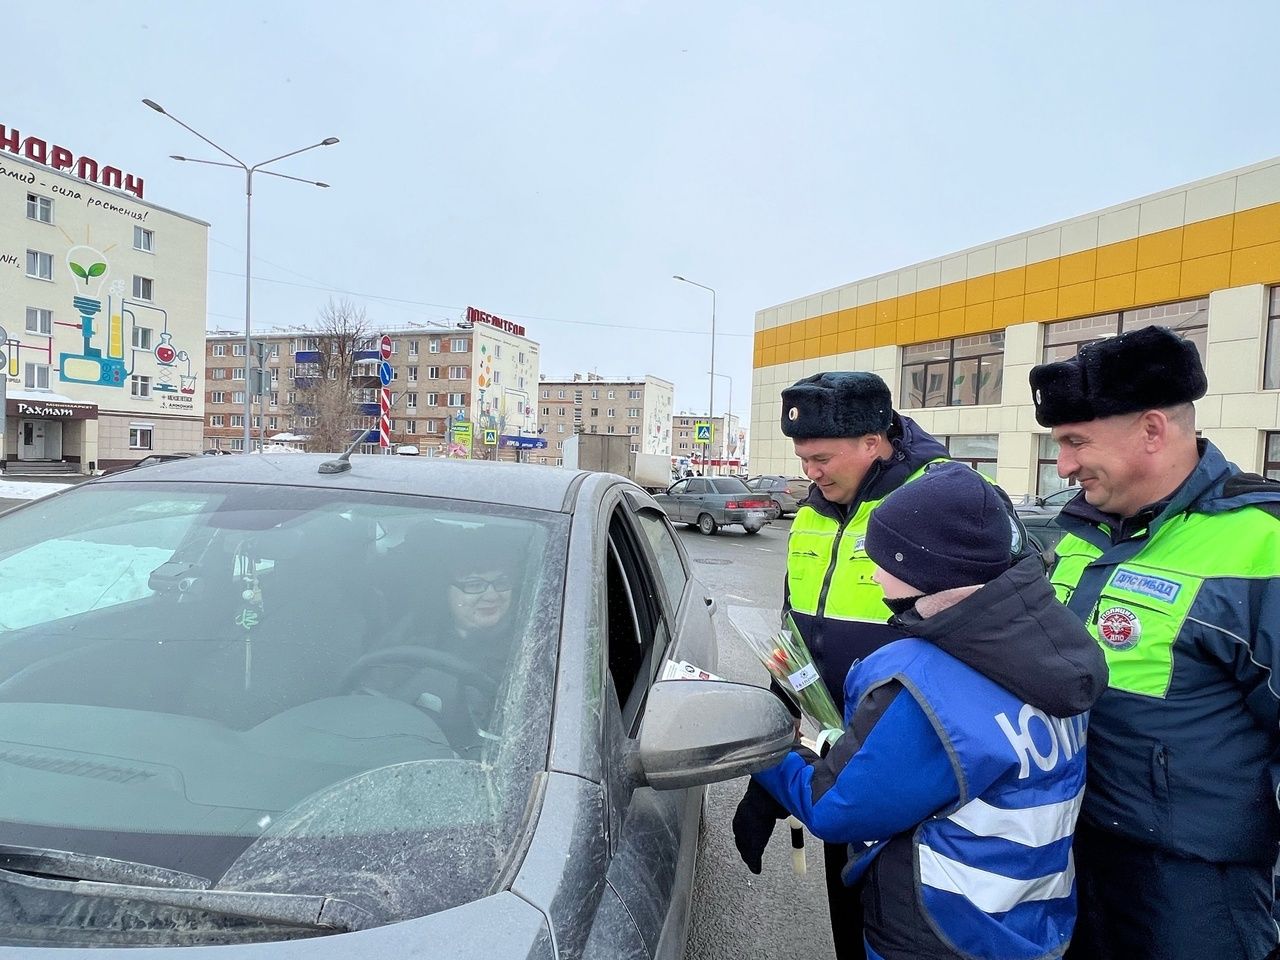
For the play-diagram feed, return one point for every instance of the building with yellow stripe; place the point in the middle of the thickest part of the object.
(955, 337)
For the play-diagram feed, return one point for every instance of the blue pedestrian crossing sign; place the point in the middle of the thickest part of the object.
(702, 433)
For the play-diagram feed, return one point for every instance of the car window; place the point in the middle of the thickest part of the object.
(636, 633)
(697, 485)
(657, 531)
(728, 485)
(292, 680)
(680, 486)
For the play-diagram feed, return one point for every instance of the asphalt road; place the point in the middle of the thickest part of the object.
(736, 914)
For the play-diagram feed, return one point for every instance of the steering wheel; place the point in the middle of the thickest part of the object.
(467, 672)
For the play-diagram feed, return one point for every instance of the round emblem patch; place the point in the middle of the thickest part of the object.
(1039, 399)
(793, 413)
(1119, 628)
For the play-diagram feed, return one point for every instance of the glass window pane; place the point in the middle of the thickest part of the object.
(1271, 371)
(935, 385)
(1273, 447)
(964, 383)
(972, 447)
(991, 378)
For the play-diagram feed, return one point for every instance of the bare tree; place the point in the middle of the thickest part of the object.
(331, 387)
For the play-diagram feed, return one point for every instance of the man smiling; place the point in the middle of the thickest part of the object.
(1172, 560)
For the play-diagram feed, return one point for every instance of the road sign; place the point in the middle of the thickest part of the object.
(462, 432)
(490, 437)
(702, 432)
(384, 347)
(385, 373)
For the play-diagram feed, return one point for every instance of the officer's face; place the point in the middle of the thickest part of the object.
(1109, 459)
(838, 464)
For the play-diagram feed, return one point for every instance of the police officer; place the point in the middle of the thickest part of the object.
(856, 449)
(1172, 560)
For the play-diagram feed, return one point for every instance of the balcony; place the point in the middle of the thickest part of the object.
(307, 356)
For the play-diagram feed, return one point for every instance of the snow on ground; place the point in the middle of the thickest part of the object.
(28, 490)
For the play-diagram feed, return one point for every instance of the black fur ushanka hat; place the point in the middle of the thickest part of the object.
(1142, 370)
(838, 404)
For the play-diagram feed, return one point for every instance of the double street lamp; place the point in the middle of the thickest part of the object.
(249, 171)
(711, 399)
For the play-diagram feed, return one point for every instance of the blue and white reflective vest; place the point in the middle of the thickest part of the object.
(994, 873)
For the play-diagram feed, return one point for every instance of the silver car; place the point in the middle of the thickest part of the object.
(710, 503)
(238, 706)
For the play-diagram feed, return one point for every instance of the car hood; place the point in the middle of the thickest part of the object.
(501, 926)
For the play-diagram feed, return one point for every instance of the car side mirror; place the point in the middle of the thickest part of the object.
(701, 731)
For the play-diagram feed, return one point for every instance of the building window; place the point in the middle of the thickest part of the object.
(237, 397)
(546, 394)
(611, 412)
(457, 373)
(218, 373)
(237, 444)
(1271, 458)
(457, 399)
(559, 394)
(36, 376)
(560, 411)
(39, 320)
(1271, 372)
(459, 345)
(139, 438)
(595, 411)
(39, 208)
(431, 426)
(608, 429)
(292, 397)
(976, 450)
(595, 394)
(237, 373)
(433, 373)
(611, 395)
(140, 386)
(546, 411)
(217, 396)
(411, 400)
(218, 420)
(237, 349)
(413, 348)
(1190, 318)
(39, 265)
(634, 429)
(142, 291)
(433, 399)
(633, 394)
(142, 338)
(219, 349)
(433, 346)
(411, 426)
(559, 428)
(237, 420)
(965, 371)
(273, 423)
(144, 239)
(633, 412)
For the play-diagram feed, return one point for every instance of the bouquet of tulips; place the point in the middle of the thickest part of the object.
(784, 654)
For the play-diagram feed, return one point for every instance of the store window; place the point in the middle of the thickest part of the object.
(1190, 318)
(975, 450)
(1271, 457)
(965, 371)
(1271, 371)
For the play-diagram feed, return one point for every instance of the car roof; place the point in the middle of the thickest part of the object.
(518, 484)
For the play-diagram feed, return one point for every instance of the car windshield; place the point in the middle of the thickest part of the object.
(280, 689)
(728, 485)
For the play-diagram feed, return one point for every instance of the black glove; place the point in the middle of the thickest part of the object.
(753, 822)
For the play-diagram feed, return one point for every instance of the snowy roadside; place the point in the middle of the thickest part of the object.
(29, 489)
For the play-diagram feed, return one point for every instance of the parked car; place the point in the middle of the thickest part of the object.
(1041, 517)
(785, 492)
(710, 503)
(226, 716)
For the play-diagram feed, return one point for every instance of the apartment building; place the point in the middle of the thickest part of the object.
(460, 389)
(102, 304)
(956, 337)
(724, 455)
(638, 407)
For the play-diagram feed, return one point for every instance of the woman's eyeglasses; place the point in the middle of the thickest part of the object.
(478, 585)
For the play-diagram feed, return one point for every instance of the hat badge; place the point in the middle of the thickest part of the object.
(793, 413)
(1039, 398)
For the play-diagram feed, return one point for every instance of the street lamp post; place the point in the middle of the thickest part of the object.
(727, 415)
(249, 171)
(711, 398)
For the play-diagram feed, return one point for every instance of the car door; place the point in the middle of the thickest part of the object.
(673, 500)
(652, 834)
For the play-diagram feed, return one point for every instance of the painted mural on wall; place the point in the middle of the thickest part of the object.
(657, 434)
(111, 348)
(499, 405)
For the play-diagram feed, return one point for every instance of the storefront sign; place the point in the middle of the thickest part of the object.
(479, 316)
(60, 158)
(51, 411)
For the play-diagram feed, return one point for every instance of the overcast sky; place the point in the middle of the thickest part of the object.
(556, 162)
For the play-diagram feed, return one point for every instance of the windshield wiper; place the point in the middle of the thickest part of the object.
(329, 914)
(71, 865)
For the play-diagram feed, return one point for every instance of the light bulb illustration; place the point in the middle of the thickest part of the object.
(89, 266)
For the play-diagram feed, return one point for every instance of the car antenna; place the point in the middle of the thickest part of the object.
(343, 463)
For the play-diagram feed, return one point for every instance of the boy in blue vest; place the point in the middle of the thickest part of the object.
(959, 776)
